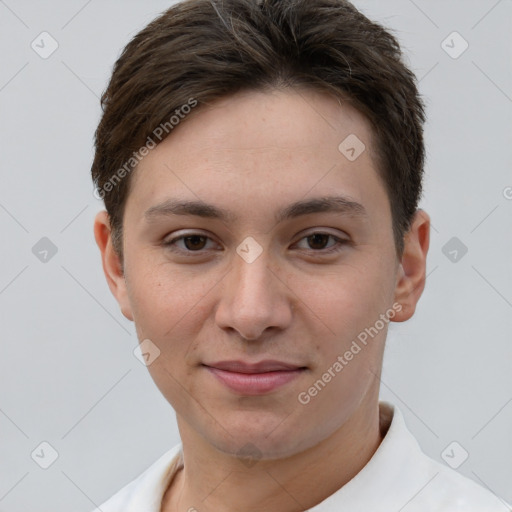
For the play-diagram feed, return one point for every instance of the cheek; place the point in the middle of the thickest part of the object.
(164, 298)
(347, 299)
(350, 304)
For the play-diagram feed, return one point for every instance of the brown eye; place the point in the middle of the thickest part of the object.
(318, 240)
(317, 243)
(194, 242)
(188, 244)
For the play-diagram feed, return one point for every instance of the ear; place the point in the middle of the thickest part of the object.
(411, 273)
(111, 263)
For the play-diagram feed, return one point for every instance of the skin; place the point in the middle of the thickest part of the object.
(253, 154)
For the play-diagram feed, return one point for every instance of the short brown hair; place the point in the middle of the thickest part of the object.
(203, 50)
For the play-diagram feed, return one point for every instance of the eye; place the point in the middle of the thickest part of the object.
(318, 240)
(192, 242)
(198, 243)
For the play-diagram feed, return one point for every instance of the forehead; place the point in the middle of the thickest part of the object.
(255, 147)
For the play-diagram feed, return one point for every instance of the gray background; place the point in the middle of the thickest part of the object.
(67, 369)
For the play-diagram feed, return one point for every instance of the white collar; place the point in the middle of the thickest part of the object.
(399, 477)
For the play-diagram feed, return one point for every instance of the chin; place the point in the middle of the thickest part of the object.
(251, 449)
(254, 438)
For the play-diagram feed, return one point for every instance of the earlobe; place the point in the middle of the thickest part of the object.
(411, 274)
(112, 267)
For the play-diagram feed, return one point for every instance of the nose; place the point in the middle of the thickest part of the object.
(254, 298)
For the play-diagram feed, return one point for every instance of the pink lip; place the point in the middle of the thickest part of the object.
(256, 378)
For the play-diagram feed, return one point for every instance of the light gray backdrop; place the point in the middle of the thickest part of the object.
(68, 373)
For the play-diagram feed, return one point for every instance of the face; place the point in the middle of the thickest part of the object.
(266, 272)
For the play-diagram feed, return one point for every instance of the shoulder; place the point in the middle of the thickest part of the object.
(433, 485)
(448, 490)
(145, 492)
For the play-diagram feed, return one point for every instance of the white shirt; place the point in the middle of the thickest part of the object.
(399, 477)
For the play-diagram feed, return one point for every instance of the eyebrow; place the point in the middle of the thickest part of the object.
(338, 204)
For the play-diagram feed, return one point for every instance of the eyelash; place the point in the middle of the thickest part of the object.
(337, 247)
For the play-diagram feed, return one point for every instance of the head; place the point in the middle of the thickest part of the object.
(261, 167)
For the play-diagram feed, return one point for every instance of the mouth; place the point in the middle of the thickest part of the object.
(254, 378)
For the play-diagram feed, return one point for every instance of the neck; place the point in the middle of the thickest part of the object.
(212, 480)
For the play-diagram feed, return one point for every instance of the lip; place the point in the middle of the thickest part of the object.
(254, 378)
